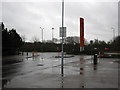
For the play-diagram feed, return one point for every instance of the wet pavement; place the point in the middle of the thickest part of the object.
(44, 71)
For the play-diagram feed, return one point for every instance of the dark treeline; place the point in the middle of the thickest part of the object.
(11, 41)
(95, 46)
(115, 45)
(48, 47)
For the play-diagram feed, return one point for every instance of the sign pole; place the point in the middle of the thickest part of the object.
(62, 38)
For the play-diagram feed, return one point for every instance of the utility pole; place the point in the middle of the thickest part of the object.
(113, 32)
(42, 38)
(62, 38)
(42, 33)
(52, 35)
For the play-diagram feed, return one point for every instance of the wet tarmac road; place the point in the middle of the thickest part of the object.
(44, 71)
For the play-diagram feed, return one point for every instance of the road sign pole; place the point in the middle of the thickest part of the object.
(62, 72)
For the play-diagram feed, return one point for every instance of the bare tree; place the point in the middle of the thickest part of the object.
(35, 39)
(23, 38)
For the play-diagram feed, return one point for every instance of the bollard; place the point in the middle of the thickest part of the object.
(95, 67)
(81, 73)
(81, 68)
(95, 59)
(33, 54)
(22, 53)
(27, 53)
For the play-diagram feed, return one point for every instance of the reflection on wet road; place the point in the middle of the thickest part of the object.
(44, 71)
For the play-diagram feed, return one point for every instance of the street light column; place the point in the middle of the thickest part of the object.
(62, 37)
(113, 32)
(42, 33)
(42, 40)
(52, 35)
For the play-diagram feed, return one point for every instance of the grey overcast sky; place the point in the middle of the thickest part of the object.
(28, 16)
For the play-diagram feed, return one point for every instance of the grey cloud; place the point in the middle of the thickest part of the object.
(27, 17)
(99, 17)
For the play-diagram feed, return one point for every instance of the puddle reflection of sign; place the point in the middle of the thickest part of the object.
(62, 31)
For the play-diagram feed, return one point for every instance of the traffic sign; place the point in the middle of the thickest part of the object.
(62, 31)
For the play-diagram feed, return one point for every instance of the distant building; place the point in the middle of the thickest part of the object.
(68, 40)
(72, 40)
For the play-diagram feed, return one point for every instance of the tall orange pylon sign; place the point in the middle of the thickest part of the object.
(81, 34)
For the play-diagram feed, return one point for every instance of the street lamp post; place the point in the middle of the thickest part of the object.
(42, 39)
(52, 35)
(62, 37)
(42, 33)
(113, 32)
